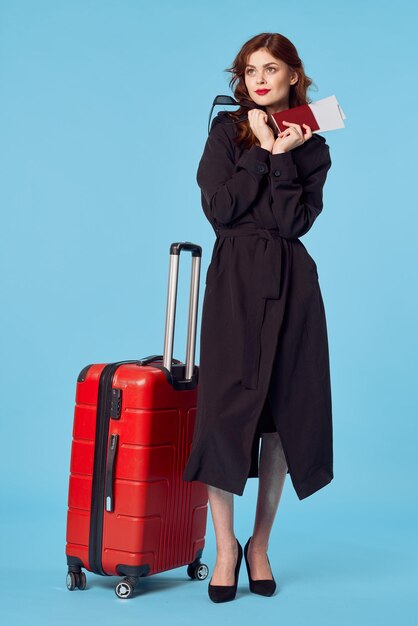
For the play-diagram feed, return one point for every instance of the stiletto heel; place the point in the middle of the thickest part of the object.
(224, 593)
(263, 587)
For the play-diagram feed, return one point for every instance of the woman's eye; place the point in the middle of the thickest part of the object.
(269, 68)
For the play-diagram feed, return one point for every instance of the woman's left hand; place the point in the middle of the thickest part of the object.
(291, 137)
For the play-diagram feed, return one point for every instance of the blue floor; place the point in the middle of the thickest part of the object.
(345, 567)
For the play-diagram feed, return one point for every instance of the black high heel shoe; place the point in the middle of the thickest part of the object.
(224, 593)
(264, 587)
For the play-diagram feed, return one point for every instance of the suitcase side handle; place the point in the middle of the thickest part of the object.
(175, 250)
(155, 357)
(110, 472)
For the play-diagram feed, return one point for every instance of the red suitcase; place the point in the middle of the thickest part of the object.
(129, 511)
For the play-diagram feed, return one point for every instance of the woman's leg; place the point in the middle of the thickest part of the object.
(222, 509)
(272, 475)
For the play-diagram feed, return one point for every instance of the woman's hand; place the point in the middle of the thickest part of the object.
(291, 138)
(258, 123)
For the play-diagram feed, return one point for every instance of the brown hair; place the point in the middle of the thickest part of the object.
(281, 48)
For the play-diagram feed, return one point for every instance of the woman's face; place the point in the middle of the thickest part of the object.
(264, 71)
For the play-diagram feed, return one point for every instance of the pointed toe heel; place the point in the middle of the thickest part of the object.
(262, 587)
(225, 593)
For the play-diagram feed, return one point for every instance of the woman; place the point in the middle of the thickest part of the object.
(264, 362)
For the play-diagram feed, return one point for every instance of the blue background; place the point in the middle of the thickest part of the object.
(103, 118)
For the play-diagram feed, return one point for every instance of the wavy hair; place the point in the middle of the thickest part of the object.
(281, 48)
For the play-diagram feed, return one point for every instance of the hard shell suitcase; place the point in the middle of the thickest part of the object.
(130, 513)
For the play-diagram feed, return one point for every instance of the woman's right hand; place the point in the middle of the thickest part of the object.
(258, 123)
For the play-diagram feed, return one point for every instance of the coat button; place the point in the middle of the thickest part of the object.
(277, 172)
(261, 167)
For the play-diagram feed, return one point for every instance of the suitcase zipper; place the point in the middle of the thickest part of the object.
(98, 504)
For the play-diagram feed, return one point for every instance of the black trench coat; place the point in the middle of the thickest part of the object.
(264, 361)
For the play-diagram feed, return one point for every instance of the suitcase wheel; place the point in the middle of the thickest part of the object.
(198, 570)
(125, 588)
(76, 579)
(82, 580)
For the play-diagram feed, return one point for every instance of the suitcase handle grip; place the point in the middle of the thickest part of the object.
(194, 248)
(175, 250)
(110, 472)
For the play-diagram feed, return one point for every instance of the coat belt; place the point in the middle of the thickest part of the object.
(266, 284)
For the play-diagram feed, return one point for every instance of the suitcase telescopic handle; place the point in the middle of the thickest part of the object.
(173, 273)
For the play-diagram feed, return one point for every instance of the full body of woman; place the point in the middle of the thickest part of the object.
(264, 362)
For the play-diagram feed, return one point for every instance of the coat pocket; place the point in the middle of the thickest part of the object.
(310, 260)
(215, 267)
(313, 265)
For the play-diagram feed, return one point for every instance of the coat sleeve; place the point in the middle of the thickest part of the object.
(296, 205)
(229, 188)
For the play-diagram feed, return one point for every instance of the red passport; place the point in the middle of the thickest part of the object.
(298, 115)
(322, 115)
